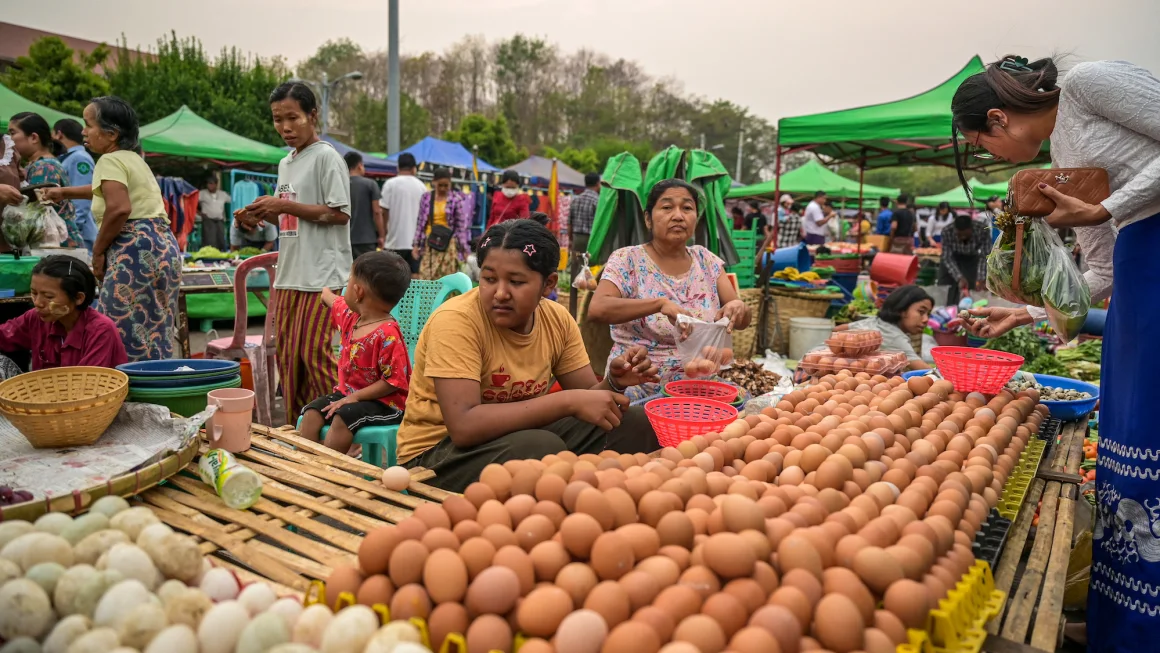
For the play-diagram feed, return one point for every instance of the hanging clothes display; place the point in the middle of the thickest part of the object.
(181, 199)
(244, 193)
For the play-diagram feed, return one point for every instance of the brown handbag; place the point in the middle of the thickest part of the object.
(1089, 185)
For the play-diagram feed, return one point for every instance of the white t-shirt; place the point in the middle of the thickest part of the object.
(813, 219)
(213, 205)
(313, 256)
(401, 196)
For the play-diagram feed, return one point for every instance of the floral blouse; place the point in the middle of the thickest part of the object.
(459, 213)
(637, 277)
(51, 171)
(380, 355)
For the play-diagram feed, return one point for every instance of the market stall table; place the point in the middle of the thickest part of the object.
(316, 506)
(1032, 618)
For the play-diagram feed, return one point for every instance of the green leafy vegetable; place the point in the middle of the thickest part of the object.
(1045, 364)
(1020, 341)
(1090, 351)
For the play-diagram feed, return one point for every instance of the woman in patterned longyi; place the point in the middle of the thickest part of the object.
(136, 255)
(644, 288)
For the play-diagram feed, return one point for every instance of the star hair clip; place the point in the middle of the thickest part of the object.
(529, 249)
(486, 241)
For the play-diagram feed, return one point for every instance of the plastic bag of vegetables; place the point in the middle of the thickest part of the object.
(1047, 276)
(23, 225)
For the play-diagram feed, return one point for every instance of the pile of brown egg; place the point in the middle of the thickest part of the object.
(782, 533)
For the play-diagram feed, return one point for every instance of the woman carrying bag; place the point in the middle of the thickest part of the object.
(442, 231)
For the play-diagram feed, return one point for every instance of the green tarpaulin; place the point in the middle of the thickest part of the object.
(11, 104)
(957, 197)
(184, 133)
(620, 212)
(913, 131)
(809, 178)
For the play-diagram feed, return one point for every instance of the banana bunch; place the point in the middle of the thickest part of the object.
(793, 274)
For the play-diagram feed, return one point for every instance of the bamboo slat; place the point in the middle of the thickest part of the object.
(316, 507)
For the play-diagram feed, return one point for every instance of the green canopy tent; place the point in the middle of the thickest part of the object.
(183, 133)
(807, 179)
(12, 103)
(957, 197)
(619, 220)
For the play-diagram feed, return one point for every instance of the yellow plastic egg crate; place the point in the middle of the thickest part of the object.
(454, 643)
(958, 624)
(1016, 488)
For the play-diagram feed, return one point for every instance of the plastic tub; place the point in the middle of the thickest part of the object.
(16, 273)
(1069, 410)
(788, 257)
(183, 401)
(805, 333)
(847, 280)
(1093, 325)
(201, 367)
(894, 269)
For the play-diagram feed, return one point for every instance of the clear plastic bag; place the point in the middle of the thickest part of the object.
(704, 347)
(584, 280)
(55, 230)
(23, 225)
(1066, 295)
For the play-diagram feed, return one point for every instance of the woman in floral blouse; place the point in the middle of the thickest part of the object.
(644, 288)
(32, 138)
(442, 230)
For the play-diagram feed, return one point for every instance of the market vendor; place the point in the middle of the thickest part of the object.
(903, 314)
(644, 288)
(262, 236)
(62, 329)
(963, 267)
(509, 203)
(486, 399)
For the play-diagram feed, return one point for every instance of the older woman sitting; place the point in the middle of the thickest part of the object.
(645, 287)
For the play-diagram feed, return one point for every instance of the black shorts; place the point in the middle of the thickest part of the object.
(409, 257)
(358, 249)
(358, 414)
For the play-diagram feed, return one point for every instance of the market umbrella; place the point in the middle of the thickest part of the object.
(957, 197)
(706, 172)
(811, 177)
(619, 220)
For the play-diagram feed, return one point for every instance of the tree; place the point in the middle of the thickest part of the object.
(232, 91)
(335, 59)
(49, 75)
(492, 137)
(581, 160)
(368, 130)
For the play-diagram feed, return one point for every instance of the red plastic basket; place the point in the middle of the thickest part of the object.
(676, 419)
(976, 370)
(714, 390)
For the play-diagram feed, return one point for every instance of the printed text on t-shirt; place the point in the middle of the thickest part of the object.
(287, 224)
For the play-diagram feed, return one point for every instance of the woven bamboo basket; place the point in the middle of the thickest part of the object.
(128, 484)
(63, 407)
(795, 303)
(745, 341)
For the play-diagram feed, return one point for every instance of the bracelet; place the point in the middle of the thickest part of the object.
(613, 386)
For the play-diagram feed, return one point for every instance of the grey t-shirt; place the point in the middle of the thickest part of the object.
(313, 256)
(893, 338)
(363, 195)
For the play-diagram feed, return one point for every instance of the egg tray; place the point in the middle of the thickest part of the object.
(958, 624)
(1020, 479)
(991, 537)
(1049, 430)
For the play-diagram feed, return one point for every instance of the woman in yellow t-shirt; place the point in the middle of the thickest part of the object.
(442, 231)
(486, 361)
(136, 255)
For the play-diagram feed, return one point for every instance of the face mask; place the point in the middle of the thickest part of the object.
(510, 192)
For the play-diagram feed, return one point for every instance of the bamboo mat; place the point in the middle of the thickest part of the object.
(1033, 616)
(316, 506)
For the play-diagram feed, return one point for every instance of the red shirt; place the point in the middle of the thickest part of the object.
(504, 209)
(94, 341)
(381, 355)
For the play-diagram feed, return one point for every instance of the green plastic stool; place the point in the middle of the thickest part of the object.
(375, 440)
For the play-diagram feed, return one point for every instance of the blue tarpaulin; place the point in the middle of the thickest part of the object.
(373, 164)
(443, 153)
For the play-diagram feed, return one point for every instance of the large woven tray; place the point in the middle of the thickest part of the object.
(316, 506)
(125, 485)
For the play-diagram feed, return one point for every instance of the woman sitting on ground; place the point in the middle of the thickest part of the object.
(485, 363)
(645, 287)
(903, 314)
(62, 329)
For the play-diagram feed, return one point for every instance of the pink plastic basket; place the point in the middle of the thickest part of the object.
(676, 419)
(976, 370)
(714, 390)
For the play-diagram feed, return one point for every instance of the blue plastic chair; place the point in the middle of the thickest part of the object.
(412, 312)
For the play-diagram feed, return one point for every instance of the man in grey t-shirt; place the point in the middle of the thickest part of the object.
(366, 216)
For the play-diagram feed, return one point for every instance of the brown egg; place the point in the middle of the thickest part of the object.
(662, 568)
(479, 493)
(410, 601)
(643, 540)
(433, 515)
(540, 615)
(611, 601)
(656, 619)
(799, 552)
(445, 619)
(877, 568)
(748, 591)
(909, 601)
(632, 637)
(612, 556)
(494, 512)
(477, 554)
(839, 624)
(677, 554)
(376, 590)
(729, 613)
(729, 555)
(678, 601)
(890, 624)
(876, 641)
(847, 548)
(582, 631)
(494, 591)
(548, 558)
(577, 579)
(489, 633)
(740, 513)
(640, 587)
(675, 528)
(374, 554)
(518, 560)
(843, 581)
(445, 576)
(533, 530)
(466, 529)
(782, 624)
(578, 532)
(498, 479)
(702, 632)
(519, 507)
(344, 579)
(796, 602)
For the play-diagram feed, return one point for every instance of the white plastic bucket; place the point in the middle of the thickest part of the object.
(805, 333)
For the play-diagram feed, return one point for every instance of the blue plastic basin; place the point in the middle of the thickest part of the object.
(169, 368)
(1069, 410)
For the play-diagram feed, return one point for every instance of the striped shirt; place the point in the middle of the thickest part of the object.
(979, 244)
(582, 213)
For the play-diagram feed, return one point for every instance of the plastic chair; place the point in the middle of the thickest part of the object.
(379, 443)
(253, 348)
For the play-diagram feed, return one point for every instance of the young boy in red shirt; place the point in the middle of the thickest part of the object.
(373, 368)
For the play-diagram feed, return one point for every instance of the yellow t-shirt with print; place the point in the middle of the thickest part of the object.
(129, 169)
(460, 342)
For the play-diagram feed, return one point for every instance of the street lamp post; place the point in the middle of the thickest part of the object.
(325, 86)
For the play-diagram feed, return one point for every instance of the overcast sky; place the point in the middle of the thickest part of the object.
(778, 57)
